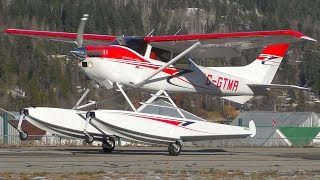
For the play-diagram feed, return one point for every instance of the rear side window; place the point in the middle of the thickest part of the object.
(160, 54)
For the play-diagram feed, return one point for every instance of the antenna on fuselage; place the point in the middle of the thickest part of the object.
(150, 33)
(177, 32)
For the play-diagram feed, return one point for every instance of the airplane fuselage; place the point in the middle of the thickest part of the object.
(125, 66)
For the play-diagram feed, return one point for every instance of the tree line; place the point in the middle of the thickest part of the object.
(29, 64)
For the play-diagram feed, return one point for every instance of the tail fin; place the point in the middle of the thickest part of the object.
(264, 68)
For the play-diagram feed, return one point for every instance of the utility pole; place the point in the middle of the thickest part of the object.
(5, 127)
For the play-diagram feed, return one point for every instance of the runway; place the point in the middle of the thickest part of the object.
(156, 159)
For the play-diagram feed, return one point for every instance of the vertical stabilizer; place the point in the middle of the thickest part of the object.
(264, 68)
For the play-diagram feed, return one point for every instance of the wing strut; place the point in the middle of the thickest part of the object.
(157, 95)
(81, 99)
(175, 59)
(125, 96)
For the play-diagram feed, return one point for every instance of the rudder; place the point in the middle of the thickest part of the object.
(264, 68)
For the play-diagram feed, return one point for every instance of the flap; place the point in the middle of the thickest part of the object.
(225, 44)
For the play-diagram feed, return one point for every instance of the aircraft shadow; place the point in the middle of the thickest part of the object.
(150, 152)
(305, 156)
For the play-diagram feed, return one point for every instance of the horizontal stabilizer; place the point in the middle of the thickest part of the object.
(238, 99)
(277, 86)
(262, 89)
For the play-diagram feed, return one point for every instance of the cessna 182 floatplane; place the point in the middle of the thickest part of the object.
(163, 63)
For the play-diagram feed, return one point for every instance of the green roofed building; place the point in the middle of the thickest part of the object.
(281, 128)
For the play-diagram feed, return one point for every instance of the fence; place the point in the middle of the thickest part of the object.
(52, 140)
(260, 142)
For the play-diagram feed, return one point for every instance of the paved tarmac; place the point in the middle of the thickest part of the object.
(144, 159)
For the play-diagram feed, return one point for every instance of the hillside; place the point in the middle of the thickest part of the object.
(32, 65)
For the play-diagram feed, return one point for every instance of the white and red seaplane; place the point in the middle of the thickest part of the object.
(164, 63)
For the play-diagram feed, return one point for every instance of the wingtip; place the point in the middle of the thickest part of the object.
(8, 31)
(12, 31)
(308, 38)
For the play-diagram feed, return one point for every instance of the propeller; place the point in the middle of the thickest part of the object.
(80, 52)
(81, 30)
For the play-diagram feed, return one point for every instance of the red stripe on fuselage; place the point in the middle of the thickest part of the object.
(170, 71)
(121, 53)
(116, 52)
(125, 54)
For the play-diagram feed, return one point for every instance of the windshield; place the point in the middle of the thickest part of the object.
(135, 43)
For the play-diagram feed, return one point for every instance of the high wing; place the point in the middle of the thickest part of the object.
(225, 44)
(90, 39)
(262, 89)
(212, 45)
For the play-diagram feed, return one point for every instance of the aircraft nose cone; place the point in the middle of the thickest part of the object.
(79, 53)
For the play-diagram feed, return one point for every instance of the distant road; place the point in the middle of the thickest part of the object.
(59, 160)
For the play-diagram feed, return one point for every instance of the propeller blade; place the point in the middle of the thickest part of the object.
(82, 24)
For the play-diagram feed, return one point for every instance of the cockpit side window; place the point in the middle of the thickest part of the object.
(160, 54)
